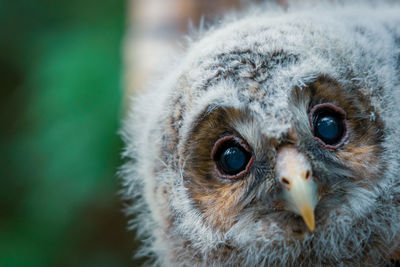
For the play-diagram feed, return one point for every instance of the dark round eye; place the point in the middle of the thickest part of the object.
(329, 124)
(231, 157)
(233, 160)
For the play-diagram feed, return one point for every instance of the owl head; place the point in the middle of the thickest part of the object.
(273, 140)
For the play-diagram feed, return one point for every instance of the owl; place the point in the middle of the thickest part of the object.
(272, 140)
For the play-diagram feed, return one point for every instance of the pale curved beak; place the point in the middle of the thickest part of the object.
(294, 172)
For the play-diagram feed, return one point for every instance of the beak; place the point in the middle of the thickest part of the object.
(294, 173)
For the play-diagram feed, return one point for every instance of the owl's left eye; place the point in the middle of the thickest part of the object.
(329, 125)
(232, 157)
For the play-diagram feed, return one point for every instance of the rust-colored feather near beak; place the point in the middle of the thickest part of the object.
(294, 172)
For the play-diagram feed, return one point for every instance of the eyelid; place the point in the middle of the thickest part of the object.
(329, 106)
(228, 138)
(337, 110)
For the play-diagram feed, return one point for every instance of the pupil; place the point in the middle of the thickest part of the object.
(328, 127)
(233, 160)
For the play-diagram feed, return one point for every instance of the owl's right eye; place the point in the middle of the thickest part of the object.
(232, 157)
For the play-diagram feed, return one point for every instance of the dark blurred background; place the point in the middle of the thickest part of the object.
(66, 69)
(60, 106)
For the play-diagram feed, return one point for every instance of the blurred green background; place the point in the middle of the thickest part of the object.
(60, 104)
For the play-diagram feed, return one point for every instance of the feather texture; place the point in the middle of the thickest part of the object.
(256, 74)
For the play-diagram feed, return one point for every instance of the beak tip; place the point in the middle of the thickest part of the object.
(311, 226)
(307, 213)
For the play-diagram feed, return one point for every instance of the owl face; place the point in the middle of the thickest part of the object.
(232, 167)
(305, 185)
(288, 188)
(273, 142)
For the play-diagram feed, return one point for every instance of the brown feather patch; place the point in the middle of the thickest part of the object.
(362, 151)
(217, 198)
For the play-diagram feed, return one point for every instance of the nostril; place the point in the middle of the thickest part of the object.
(285, 182)
(308, 175)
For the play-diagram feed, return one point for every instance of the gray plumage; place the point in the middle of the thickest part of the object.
(255, 75)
